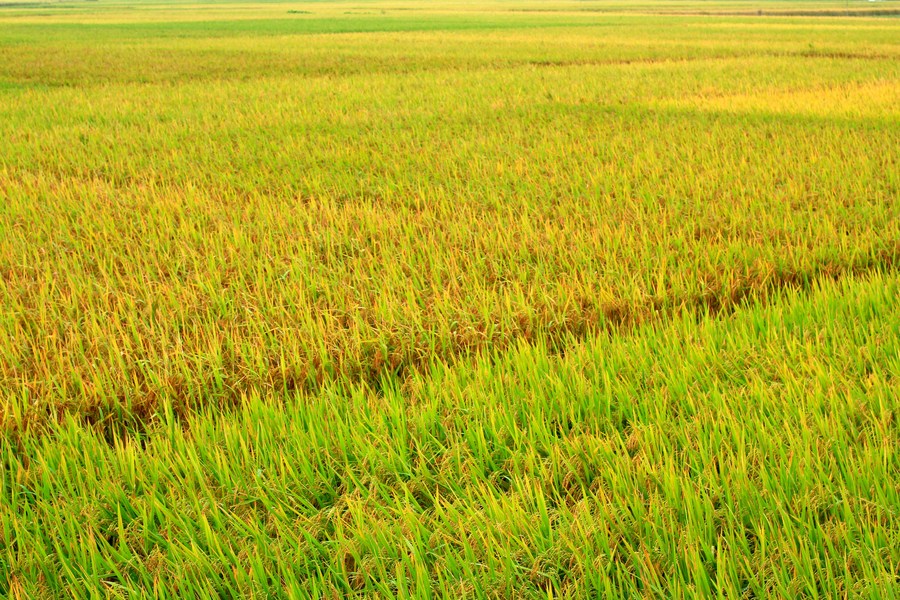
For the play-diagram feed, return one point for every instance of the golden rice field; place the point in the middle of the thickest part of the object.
(510, 299)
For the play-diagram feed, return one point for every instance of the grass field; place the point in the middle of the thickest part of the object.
(498, 300)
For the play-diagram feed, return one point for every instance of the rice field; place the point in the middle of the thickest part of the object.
(408, 299)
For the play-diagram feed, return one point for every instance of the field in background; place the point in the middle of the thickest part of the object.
(509, 300)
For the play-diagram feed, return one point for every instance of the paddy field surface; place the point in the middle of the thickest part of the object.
(410, 299)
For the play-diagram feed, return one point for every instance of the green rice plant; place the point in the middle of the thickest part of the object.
(753, 455)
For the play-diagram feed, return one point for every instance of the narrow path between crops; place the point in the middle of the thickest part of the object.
(761, 287)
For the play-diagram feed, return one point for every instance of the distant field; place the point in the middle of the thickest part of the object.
(565, 299)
